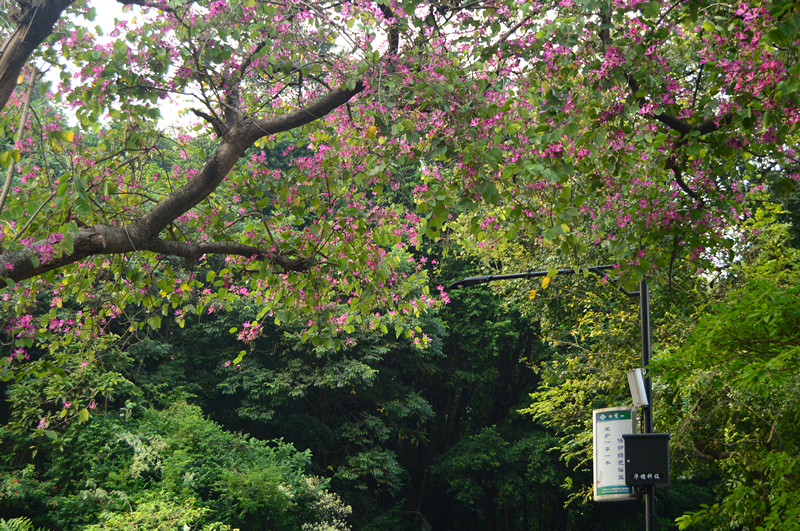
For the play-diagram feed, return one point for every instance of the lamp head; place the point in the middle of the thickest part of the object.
(636, 383)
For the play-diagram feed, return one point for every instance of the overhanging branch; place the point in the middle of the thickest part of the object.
(709, 454)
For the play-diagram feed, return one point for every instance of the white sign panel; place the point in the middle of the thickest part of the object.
(609, 452)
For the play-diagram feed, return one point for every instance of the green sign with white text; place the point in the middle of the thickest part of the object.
(609, 452)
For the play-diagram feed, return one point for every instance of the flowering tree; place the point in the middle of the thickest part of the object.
(315, 234)
(638, 126)
(659, 115)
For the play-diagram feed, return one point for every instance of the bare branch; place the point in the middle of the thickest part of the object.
(676, 170)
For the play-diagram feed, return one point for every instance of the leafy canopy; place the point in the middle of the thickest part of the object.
(639, 127)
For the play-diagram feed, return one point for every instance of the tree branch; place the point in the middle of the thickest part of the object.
(18, 138)
(194, 251)
(676, 124)
(144, 3)
(142, 234)
(768, 442)
(685, 129)
(676, 170)
(33, 26)
(394, 32)
(219, 126)
(314, 111)
(35, 22)
(514, 28)
(709, 454)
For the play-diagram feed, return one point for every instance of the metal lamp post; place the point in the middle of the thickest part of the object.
(644, 313)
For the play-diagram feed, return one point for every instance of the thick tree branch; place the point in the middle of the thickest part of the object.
(219, 127)
(673, 165)
(394, 32)
(314, 111)
(35, 22)
(142, 235)
(670, 121)
(194, 251)
(605, 33)
(676, 124)
(230, 104)
(233, 145)
(144, 3)
(713, 124)
(709, 454)
(103, 239)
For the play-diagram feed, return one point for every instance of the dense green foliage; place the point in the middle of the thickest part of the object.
(147, 469)
(725, 368)
(414, 437)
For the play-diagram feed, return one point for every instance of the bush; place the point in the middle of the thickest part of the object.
(148, 469)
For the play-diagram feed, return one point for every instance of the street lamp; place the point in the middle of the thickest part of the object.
(646, 390)
(638, 390)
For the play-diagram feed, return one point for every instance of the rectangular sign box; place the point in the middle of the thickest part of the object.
(646, 459)
(610, 424)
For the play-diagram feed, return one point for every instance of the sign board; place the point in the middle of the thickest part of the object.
(647, 459)
(610, 424)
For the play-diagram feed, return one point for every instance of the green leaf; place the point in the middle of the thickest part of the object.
(58, 371)
(789, 28)
(571, 130)
(62, 188)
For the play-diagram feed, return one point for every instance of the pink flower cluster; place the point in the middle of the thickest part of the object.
(250, 331)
